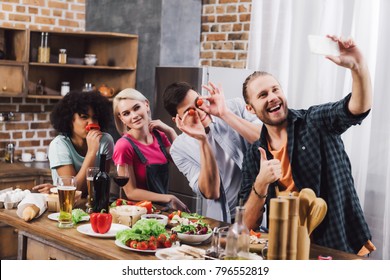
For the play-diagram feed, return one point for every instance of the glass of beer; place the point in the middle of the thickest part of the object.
(66, 186)
(91, 172)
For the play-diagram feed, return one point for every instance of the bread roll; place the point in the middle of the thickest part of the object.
(30, 212)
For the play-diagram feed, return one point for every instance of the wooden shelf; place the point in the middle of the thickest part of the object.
(13, 68)
(19, 71)
(95, 67)
(44, 96)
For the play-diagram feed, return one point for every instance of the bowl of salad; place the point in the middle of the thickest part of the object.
(193, 232)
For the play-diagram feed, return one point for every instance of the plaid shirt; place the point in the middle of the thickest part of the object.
(319, 161)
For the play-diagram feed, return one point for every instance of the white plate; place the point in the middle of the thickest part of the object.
(120, 244)
(87, 229)
(54, 217)
(173, 254)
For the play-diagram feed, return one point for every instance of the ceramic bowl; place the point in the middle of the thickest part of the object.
(159, 217)
(193, 238)
(90, 59)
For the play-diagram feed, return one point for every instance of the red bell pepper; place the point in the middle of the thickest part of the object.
(147, 204)
(101, 222)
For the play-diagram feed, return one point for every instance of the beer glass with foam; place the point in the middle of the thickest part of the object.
(91, 172)
(66, 186)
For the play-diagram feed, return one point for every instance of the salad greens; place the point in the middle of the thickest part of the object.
(78, 214)
(197, 228)
(141, 230)
(191, 216)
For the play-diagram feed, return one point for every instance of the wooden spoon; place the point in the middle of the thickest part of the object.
(306, 197)
(318, 209)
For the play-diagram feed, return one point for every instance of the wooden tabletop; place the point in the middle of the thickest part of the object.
(103, 248)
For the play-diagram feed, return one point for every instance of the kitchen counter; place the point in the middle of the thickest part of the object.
(24, 169)
(42, 239)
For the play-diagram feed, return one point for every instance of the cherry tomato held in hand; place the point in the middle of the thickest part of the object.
(198, 102)
(191, 112)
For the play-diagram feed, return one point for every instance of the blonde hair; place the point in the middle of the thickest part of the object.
(131, 94)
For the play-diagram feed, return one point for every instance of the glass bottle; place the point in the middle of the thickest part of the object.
(40, 49)
(47, 49)
(212, 252)
(40, 87)
(9, 153)
(101, 185)
(237, 244)
(65, 88)
(62, 56)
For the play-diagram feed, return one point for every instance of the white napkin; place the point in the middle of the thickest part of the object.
(37, 199)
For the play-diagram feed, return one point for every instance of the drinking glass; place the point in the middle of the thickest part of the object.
(121, 177)
(66, 186)
(222, 238)
(91, 172)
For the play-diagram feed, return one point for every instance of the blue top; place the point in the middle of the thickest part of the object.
(62, 152)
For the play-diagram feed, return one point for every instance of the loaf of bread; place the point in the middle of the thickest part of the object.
(30, 212)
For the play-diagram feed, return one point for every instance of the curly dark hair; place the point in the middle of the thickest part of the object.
(79, 102)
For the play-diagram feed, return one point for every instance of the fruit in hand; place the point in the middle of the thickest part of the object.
(92, 126)
(198, 102)
(191, 112)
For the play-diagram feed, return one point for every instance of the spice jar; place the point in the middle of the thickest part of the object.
(65, 88)
(9, 153)
(62, 56)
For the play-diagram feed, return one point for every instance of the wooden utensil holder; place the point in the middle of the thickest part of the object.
(303, 243)
(277, 241)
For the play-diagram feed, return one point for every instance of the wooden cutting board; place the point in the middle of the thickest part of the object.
(257, 248)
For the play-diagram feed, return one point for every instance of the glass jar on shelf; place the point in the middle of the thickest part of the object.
(62, 57)
(65, 88)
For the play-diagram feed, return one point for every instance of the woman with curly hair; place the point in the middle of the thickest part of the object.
(77, 147)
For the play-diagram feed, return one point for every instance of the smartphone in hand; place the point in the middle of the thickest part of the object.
(323, 45)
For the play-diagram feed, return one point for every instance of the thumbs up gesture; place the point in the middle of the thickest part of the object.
(270, 170)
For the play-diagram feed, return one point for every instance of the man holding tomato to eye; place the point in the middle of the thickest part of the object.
(211, 149)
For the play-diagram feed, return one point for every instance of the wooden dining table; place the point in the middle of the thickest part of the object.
(41, 239)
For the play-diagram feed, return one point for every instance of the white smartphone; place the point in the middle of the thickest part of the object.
(323, 45)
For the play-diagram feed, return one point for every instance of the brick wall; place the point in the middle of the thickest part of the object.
(225, 33)
(30, 130)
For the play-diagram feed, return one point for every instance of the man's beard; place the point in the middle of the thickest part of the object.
(269, 121)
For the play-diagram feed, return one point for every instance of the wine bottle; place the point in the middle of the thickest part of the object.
(101, 185)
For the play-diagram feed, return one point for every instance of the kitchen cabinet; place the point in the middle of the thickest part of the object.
(13, 61)
(20, 70)
(17, 175)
